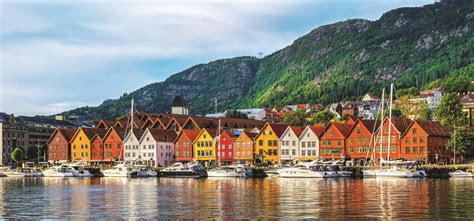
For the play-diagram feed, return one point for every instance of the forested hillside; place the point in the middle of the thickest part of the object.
(413, 47)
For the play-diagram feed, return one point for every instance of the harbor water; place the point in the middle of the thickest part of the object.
(171, 198)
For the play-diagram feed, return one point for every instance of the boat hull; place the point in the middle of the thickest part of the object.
(189, 173)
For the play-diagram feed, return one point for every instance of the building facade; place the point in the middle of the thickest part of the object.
(309, 142)
(289, 144)
(184, 145)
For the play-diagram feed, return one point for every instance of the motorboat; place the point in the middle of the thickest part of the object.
(334, 167)
(120, 170)
(78, 170)
(305, 170)
(184, 170)
(62, 170)
(143, 171)
(238, 170)
(461, 174)
(271, 173)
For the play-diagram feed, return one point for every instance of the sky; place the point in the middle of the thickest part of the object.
(59, 55)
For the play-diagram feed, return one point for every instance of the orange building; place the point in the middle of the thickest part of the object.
(359, 141)
(426, 141)
(333, 141)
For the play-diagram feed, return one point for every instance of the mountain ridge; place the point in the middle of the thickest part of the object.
(341, 61)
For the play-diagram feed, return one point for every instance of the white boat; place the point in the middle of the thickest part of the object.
(238, 170)
(334, 167)
(461, 174)
(78, 171)
(184, 170)
(271, 173)
(120, 170)
(58, 171)
(143, 171)
(305, 170)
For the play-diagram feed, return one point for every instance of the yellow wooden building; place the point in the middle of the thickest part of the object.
(267, 143)
(81, 144)
(203, 145)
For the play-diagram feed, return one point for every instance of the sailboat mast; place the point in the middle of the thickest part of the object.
(389, 147)
(131, 126)
(381, 126)
(219, 143)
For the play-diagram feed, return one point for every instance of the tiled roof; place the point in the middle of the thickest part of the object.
(369, 124)
(163, 135)
(433, 128)
(318, 130)
(401, 123)
(297, 130)
(191, 134)
(343, 128)
(279, 129)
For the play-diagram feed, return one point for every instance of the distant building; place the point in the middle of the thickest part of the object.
(26, 132)
(178, 106)
(467, 102)
(431, 97)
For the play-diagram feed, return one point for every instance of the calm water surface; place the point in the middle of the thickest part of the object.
(170, 198)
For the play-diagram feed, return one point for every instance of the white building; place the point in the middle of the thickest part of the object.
(309, 142)
(157, 147)
(289, 147)
(132, 151)
(178, 106)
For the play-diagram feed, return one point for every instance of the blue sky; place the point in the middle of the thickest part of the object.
(58, 55)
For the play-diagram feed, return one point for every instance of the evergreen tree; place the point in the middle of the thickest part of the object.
(449, 111)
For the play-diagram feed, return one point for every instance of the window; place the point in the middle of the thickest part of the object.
(303, 153)
(407, 140)
(422, 139)
(331, 132)
(413, 131)
(260, 142)
(313, 143)
(407, 150)
(293, 152)
(230, 146)
(351, 140)
(422, 150)
(358, 130)
(352, 150)
(415, 150)
(339, 143)
(393, 139)
(303, 144)
(414, 140)
(293, 143)
(269, 143)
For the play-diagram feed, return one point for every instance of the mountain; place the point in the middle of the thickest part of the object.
(413, 47)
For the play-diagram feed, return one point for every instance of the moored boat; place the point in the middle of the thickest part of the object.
(78, 170)
(184, 170)
(58, 171)
(238, 170)
(305, 170)
(123, 169)
(461, 174)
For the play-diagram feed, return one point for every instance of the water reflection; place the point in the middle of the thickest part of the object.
(168, 198)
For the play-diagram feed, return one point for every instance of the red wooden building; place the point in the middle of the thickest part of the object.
(183, 145)
(97, 145)
(113, 144)
(58, 145)
(359, 140)
(225, 147)
(426, 141)
(332, 142)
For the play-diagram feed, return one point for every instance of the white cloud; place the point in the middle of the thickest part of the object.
(60, 55)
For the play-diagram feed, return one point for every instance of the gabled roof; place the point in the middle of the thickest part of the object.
(432, 128)
(120, 132)
(67, 133)
(279, 129)
(297, 130)
(369, 124)
(401, 124)
(105, 123)
(163, 135)
(100, 133)
(191, 134)
(344, 129)
(317, 130)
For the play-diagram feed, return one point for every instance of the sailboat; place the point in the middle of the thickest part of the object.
(402, 169)
(126, 168)
(459, 173)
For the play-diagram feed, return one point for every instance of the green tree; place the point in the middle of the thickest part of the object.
(32, 152)
(236, 114)
(297, 117)
(424, 112)
(323, 117)
(449, 111)
(464, 140)
(408, 92)
(18, 155)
